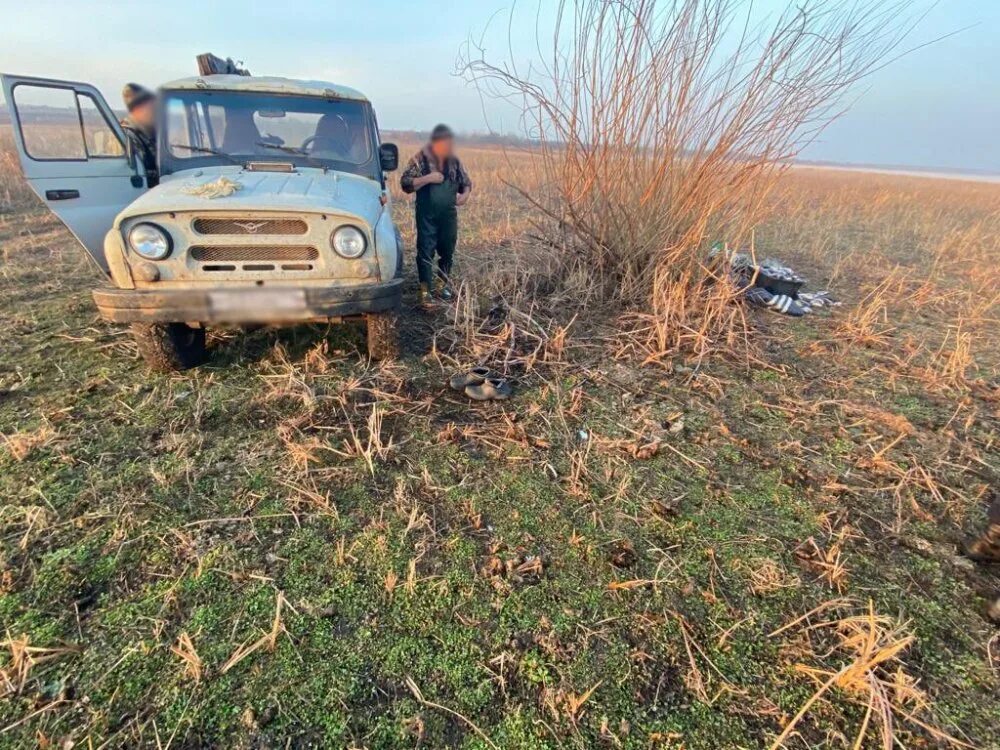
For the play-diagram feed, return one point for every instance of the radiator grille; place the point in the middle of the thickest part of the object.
(249, 226)
(252, 253)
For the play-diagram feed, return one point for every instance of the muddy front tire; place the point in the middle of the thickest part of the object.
(167, 347)
(383, 335)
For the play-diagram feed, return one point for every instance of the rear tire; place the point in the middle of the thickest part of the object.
(168, 347)
(383, 335)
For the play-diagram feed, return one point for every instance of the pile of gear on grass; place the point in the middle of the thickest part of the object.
(770, 283)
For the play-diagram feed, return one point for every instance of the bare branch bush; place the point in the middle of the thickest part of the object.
(661, 125)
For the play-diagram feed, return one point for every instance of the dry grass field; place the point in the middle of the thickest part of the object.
(291, 547)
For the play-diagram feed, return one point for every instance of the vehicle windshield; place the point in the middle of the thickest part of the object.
(209, 128)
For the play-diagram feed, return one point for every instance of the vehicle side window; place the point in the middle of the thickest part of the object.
(50, 122)
(100, 139)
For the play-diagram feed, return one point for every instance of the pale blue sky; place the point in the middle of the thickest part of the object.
(940, 106)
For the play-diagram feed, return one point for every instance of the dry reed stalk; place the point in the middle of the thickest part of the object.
(576, 482)
(22, 659)
(660, 126)
(312, 498)
(567, 703)
(268, 640)
(345, 553)
(35, 518)
(286, 379)
(22, 444)
(390, 581)
(993, 644)
(766, 577)
(867, 323)
(373, 447)
(828, 563)
(873, 676)
(302, 449)
(953, 360)
(696, 680)
(419, 696)
(185, 650)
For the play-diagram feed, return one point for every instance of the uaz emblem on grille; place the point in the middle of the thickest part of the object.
(251, 227)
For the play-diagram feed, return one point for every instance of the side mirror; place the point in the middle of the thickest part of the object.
(388, 157)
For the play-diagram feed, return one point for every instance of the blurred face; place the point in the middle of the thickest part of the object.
(145, 114)
(443, 148)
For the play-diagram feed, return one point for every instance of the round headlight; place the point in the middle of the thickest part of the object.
(149, 241)
(349, 242)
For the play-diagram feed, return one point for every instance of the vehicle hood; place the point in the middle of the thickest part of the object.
(305, 190)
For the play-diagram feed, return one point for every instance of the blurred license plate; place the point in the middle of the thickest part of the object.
(263, 301)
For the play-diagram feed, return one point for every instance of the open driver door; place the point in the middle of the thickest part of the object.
(73, 154)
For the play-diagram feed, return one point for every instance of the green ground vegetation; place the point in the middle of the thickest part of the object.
(293, 547)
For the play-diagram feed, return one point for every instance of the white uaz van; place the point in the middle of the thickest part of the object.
(271, 207)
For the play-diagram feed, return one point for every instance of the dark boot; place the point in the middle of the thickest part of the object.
(442, 290)
(425, 298)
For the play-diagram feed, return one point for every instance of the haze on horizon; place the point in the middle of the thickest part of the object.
(938, 107)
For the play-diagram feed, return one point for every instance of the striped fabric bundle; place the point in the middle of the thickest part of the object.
(781, 303)
(770, 284)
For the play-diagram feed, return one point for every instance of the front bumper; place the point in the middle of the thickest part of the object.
(246, 304)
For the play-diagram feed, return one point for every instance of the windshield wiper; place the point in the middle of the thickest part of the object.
(212, 151)
(292, 150)
(286, 149)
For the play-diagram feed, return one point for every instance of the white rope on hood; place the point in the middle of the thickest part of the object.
(220, 188)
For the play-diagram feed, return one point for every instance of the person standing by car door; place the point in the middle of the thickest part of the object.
(140, 128)
(441, 184)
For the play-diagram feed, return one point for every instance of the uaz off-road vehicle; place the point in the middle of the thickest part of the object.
(271, 207)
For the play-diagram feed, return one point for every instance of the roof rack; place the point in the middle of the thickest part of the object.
(210, 65)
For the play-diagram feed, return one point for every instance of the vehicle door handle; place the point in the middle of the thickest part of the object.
(61, 195)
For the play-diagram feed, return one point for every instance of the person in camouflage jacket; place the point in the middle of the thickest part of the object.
(441, 185)
(140, 128)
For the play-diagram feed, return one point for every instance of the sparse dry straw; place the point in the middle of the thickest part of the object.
(872, 676)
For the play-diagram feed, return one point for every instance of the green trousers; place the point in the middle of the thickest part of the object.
(437, 230)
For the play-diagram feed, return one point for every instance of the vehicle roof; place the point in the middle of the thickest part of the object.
(266, 85)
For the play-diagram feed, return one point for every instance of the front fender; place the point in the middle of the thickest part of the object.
(389, 247)
(114, 253)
